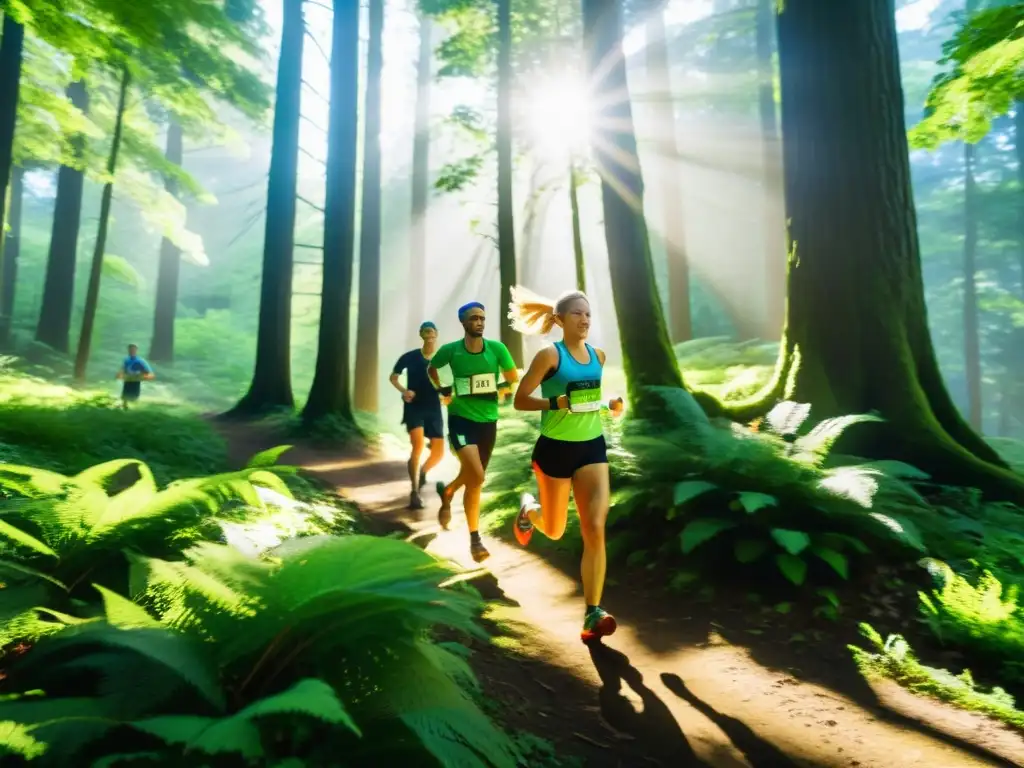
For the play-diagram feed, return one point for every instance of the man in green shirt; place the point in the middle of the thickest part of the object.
(482, 374)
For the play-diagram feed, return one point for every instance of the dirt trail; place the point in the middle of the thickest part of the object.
(659, 692)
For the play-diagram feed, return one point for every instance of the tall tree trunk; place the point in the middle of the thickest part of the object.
(368, 327)
(972, 343)
(1018, 138)
(774, 213)
(420, 182)
(646, 352)
(92, 295)
(663, 112)
(11, 48)
(506, 219)
(162, 347)
(577, 232)
(329, 394)
(54, 327)
(271, 385)
(12, 248)
(857, 337)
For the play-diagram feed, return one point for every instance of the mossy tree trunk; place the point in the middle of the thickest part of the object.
(92, 293)
(577, 230)
(368, 323)
(12, 247)
(54, 327)
(506, 218)
(271, 385)
(162, 347)
(972, 342)
(420, 182)
(673, 229)
(12, 46)
(646, 352)
(330, 394)
(856, 337)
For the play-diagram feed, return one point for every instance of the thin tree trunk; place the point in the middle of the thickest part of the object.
(646, 352)
(329, 395)
(12, 248)
(420, 182)
(162, 347)
(972, 343)
(271, 385)
(11, 49)
(857, 338)
(368, 327)
(1018, 138)
(680, 315)
(92, 295)
(54, 327)
(506, 218)
(577, 234)
(774, 214)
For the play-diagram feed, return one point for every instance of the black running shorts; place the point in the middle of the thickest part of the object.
(463, 432)
(561, 458)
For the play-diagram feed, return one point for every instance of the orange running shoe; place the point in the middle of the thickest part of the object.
(598, 623)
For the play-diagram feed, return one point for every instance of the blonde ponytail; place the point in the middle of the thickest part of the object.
(534, 315)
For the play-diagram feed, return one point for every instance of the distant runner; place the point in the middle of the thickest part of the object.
(421, 412)
(134, 370)
(570, 454)
(476, 365)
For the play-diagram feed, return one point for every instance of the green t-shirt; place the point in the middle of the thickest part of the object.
(475, 377)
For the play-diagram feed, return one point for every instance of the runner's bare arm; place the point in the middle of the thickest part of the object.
(543, 362)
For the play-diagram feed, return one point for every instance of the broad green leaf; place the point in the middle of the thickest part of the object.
(833, 558)
(689, 490)
(19, 536)
(786, 417)
(792, 567)
(702, 530)
(17, 739)
(748, 550)
(903, 529)
(794, 542)
(269, 457)
(752, 501)
(122, 612)
(12, 567)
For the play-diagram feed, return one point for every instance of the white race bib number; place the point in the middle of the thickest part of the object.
(483, 384)
(584, 396)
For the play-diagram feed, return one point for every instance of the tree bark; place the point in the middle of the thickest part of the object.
(271, 385)
(420, 183)
(774, 232)
(1018, 138)
(162, 347)
(577, 232)
(12, 249)
(11, 49)
(680, 314)
(647, 355)
(972, 343)
(368, 327)
(506, 217)
(329, 395)
(92, 295)
(54, 327)
(856, 337)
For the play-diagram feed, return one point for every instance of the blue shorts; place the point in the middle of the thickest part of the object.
(429, 419)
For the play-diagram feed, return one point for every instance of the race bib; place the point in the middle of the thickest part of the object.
(462, 385)
(483, 384)
(584, 396)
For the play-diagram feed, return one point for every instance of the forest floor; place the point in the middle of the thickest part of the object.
(680, 683)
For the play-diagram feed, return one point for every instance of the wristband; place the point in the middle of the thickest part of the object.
(553, 403)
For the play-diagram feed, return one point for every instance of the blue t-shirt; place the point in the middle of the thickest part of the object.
(135, 366)
(415, 366)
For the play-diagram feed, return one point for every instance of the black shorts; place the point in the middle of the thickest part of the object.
(131, 390)
(463, 432)
(561, 458)
(427, 418)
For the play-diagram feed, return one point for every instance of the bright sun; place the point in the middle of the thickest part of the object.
(557, 113)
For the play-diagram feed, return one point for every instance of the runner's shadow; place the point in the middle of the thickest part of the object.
(655, 726)
(760, 753)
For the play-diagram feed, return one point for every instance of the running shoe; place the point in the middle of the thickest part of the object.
(444, 515)
(524, 526)
(597, 624)
(478, 551)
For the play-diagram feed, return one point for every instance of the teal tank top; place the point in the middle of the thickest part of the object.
(582, 383)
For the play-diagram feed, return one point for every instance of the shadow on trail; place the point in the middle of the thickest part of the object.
(758, 751)
(655, 726)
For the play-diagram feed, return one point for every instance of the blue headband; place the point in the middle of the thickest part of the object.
(426, 325)
(466, 307)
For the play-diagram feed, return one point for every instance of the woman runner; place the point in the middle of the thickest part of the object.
(570, 454)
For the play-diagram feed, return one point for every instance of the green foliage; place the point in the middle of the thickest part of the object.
(984, 60)
(893, 658)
